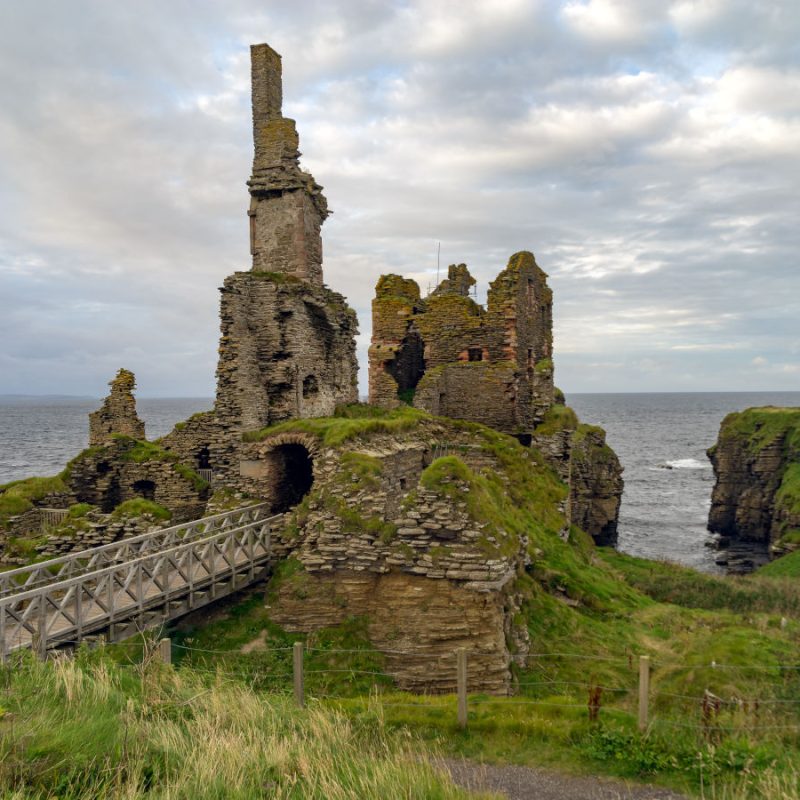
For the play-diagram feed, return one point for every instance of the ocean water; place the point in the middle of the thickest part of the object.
(661, 440)
(38, 435)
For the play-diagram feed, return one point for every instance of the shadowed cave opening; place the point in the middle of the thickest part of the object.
(145, 489)
(293, 471)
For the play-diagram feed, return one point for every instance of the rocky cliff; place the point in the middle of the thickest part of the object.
(756, 463)
(583, 460)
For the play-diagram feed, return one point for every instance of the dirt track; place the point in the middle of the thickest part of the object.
(528, 783)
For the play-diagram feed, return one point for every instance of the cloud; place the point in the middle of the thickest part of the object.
(646, 152)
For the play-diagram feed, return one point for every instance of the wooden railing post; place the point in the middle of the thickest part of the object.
(165, 650)
(3, 648)
(299, 683)
(644, 691)
(461, 684)
(79, 613)
(41, 629)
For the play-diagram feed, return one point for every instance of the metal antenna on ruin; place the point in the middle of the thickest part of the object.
(438, 253)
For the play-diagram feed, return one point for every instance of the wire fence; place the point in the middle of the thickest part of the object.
(306, 672)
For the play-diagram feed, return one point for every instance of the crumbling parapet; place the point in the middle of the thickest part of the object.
(450, 356)
(117, 416)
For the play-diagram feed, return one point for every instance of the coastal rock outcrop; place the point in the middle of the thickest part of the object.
(583, 460)
(756, 463)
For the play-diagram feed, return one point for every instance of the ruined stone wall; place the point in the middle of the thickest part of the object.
(108, 476)
(117, 416)
(372, 541)
(507, 347)
(287, 346)
(287, 350)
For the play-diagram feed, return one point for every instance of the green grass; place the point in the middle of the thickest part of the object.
(788, 495)
(18, 497)
(666, 582)
(558, 418)
(787, 566)
(760, 427)
(138, 507)
(88, 729)
(333, 431)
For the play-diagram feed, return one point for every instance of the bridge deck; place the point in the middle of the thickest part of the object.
(154, 585)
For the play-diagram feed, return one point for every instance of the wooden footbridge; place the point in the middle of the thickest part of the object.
(135, 583)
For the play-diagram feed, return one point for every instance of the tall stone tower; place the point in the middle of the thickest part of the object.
(287, 348)
(287, 207)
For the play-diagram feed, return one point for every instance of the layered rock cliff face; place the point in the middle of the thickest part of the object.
(583, 460)
(421, 525)
(756, 463)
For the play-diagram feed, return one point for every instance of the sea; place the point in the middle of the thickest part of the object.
(661, 440)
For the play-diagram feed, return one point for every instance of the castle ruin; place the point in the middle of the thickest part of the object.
(451, 357)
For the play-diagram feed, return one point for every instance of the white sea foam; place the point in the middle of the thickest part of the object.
(688, 463)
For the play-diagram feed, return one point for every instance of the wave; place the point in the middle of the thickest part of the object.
(687, 463)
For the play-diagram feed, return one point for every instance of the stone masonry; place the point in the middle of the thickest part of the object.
(451, 357)
(287, 348)
(117, 416)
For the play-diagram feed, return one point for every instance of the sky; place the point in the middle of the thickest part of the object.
(647, 152)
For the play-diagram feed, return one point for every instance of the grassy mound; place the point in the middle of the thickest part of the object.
(18, 497)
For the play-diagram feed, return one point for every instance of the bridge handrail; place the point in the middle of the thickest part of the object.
(9, 588)
(21, 597)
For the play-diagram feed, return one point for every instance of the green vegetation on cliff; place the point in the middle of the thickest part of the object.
(745, 436)
(761, 427)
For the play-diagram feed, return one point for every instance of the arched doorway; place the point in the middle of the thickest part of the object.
(292, 475)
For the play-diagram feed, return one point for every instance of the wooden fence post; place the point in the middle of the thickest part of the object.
(165, 650)
(644, 691)
(461, 683)
(299, 686)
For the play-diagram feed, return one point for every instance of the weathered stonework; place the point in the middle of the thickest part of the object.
(117, 416)
(287, 350)
(287, 207)
(374, 539)
(124, 470)
(457, 359)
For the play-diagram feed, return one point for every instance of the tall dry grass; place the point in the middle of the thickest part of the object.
(88, 729)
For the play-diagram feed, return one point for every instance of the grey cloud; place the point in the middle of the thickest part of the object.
(646, 152)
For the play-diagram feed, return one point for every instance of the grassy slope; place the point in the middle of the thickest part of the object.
(590, 614)
(598, 611)
(90, 729)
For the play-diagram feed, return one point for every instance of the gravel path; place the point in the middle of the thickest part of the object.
(528, 783)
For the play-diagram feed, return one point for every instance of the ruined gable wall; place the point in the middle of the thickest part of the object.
(394, 309)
